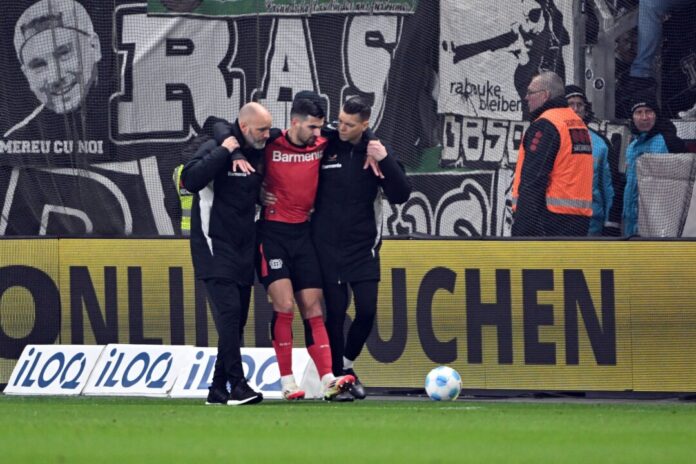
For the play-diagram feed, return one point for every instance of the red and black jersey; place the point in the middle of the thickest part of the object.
(292, 175)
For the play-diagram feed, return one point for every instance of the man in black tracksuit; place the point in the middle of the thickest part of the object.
(226, 180)
(347, 229)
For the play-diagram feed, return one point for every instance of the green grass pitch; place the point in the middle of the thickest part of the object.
(133, 430)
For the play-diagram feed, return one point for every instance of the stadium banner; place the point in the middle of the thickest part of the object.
(260, 369)
(65, 370)
(53, 369)
(136, 370)
(274, 7)
(30, 304)
(537, 315)
(89, 150)
(133, 88)
(489, 54)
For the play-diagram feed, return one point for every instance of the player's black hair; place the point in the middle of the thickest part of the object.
(358, 105)
(308, 103)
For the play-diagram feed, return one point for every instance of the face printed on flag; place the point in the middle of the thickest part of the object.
(59, 53)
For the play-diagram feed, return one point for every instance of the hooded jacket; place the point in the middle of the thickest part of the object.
(662, 138)
(605, 219)
(602, 187)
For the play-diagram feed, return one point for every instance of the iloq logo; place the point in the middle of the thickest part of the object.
(260, 369)
(53, 370)
(136, 370)
(140, 367)
(199, 375)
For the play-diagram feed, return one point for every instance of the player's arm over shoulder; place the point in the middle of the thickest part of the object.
(275, 133)
(205, 164)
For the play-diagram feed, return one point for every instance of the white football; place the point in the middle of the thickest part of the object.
(443, 384)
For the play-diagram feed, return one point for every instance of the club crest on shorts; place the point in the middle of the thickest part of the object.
(275, 263)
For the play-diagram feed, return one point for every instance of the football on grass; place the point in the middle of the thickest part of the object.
(443, 384)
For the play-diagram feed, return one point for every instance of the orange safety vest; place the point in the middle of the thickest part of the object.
(570, 182)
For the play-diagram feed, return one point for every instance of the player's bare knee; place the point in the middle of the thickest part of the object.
(311, 310)
(284, 306)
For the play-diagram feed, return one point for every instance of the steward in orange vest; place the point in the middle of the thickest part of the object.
(552, 187)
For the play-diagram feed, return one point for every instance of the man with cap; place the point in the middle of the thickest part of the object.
(552, 186)
(59, 52)
(602, 188)
(651, 134)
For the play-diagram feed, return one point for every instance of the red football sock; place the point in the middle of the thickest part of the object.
(318, 344)
(281, 331)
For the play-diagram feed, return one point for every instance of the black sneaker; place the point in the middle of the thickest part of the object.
(343, 397)
(242, 393)
(357, 389)
(217, 395)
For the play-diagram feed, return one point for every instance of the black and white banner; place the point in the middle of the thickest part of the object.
(490, 52)
(98, 99)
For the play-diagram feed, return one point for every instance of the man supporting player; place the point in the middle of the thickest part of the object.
(347, 230)
(224, 177)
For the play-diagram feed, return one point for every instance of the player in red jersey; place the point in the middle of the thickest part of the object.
(287, 264)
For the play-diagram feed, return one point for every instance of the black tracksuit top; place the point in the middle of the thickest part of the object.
(347, 221)
(223, 233)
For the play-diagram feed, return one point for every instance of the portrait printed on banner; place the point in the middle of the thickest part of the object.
(59, 173)
(58, 51)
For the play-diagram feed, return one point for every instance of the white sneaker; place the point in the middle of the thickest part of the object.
(338, 385)
(290, 390)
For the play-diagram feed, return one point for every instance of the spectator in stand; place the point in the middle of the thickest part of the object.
(651, 134)
(552, 187)
(651, 14)
(602, 188)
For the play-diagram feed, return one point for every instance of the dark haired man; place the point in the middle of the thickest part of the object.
(347, 230)
(287, 263)
(602, 186)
